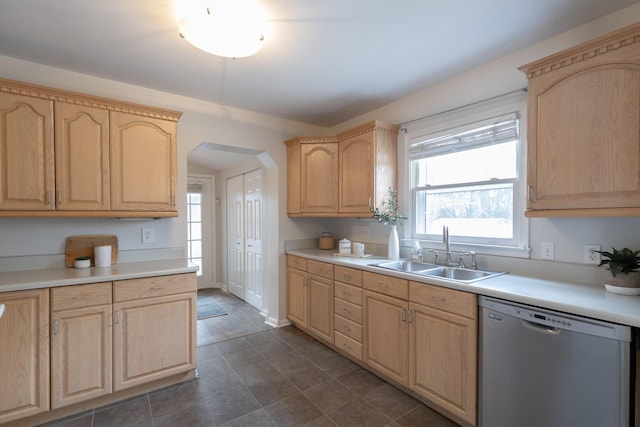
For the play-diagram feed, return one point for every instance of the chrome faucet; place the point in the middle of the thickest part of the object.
(474, 260)
(447, 251)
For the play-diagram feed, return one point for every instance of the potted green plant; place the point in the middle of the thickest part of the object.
(622, 265)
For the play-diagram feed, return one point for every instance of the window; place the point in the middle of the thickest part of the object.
(467, 177)
(194, 225)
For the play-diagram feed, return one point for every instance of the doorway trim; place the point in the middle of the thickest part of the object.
(209, 254)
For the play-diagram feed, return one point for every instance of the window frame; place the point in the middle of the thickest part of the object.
(458, 119)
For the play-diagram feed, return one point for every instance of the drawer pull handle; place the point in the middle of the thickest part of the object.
(383, 285)
(438, 299)
(346, 294)
(403, 316)
(82, 298)
(117, 317)
(347, 277)
(347, 346)
(157, 288)
(346, 328)
(55, 327)
(410, 317)
(346, 311)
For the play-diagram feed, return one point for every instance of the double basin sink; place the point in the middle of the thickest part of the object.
(458, 274)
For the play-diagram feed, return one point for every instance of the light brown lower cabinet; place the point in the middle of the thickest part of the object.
(24, 354)
(80, 343)
(443, 350)
(155, 331)
(386, 337)
(419, 336)
(97, 339)
(310, 297)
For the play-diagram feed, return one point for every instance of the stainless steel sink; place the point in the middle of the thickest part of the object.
(459, 274)
(406, 266)
(431, 270)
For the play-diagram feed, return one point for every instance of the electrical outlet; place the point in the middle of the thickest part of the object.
(547, 249)
(148, 235)
(591, 257)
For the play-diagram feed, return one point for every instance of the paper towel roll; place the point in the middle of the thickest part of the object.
(102, 256)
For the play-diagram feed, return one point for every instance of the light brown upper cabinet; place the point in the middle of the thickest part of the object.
(343, 175)
(26, 153)
(312, 176)
(368, 167)
(143, 163)
(584, 129)
(82, 157)
(68, 154)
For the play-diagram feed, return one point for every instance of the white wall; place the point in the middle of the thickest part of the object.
(203, 121)
(496, 78)
(200, 122)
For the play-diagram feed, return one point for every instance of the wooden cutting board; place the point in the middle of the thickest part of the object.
(82, 245)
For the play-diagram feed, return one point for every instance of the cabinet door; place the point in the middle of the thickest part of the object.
(357, 173)
(582, 155)
(80, 354)
(297, 297)
(443, 360)
(319, 177)
(143, 163)
(24, 354)
(153, 338)
(321, 307)
(386, 336)
(82, 157)
(26, 153)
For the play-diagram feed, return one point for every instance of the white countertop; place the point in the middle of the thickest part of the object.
(53, 277)
(574, 298)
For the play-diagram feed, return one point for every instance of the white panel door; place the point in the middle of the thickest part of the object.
(235, 236)
(253, 238)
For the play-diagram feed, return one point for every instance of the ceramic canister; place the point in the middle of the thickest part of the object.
(345, 246)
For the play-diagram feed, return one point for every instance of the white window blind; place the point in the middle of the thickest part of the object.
(474, 135)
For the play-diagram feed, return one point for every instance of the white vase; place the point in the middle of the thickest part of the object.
(394, 244)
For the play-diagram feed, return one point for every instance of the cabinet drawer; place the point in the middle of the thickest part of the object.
(348, 310)
(78, 296)
(348, 327)
(297, 262)
(450, 300)
(322, 269)
(392, 286)
(148, 287)
(348, 293)
(348, 345)
(348, 275)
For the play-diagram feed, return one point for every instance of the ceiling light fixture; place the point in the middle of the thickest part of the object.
(229, 28)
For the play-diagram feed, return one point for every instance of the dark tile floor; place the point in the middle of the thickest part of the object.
(252, 375)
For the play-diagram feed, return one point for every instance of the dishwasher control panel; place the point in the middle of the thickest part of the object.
(551, 319)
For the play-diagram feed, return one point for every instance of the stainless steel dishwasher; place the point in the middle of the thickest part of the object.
(540, 368)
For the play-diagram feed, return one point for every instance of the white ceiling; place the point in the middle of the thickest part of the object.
(323, 61)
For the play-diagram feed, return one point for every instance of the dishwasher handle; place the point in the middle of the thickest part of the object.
(538, 327)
